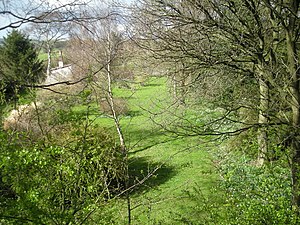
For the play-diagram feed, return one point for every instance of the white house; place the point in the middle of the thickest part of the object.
(60, 73)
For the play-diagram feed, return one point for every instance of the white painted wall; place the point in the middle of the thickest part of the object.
(59, 75)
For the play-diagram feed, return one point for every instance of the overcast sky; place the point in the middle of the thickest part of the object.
(16, 5)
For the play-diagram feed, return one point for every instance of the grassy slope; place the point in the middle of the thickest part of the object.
(184, 163)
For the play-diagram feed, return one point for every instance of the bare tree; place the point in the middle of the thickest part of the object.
(18, 13)
(251, 43)
(48, 34)
(100, 44)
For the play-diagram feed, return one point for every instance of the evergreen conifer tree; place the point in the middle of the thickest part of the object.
(19, 65)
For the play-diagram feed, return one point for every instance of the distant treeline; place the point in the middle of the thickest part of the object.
(57, 45)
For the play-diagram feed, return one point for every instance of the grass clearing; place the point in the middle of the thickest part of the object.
(179, 167)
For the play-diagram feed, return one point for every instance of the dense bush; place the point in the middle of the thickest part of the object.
(59, 181)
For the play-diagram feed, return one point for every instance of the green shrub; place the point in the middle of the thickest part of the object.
(60, 181)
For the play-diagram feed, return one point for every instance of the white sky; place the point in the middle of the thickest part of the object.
(70, 1)
(15, 4)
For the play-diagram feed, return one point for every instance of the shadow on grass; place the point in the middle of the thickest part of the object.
(145, 175)
(150, 146)
(151, 85)
(133, 113)
(143, 139)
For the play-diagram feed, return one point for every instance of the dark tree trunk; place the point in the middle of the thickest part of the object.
(294, 75)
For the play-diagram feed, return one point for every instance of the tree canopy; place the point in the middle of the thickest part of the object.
(20, 66)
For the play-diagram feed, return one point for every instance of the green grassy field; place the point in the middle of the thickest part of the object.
(43, 56)
(180, 168)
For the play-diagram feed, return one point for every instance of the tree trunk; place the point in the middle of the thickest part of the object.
(49, 60)
(295, 104)
(121, 139)
(294, 76)
(114, 114)
(117, 124)
(174, 81)
(263, 119)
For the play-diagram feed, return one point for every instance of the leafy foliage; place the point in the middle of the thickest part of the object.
(62, 181)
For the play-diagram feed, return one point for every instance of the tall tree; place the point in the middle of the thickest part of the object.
(101, 42)
(244, 41)
(214, 40)
(20, 65)
(286, 15)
